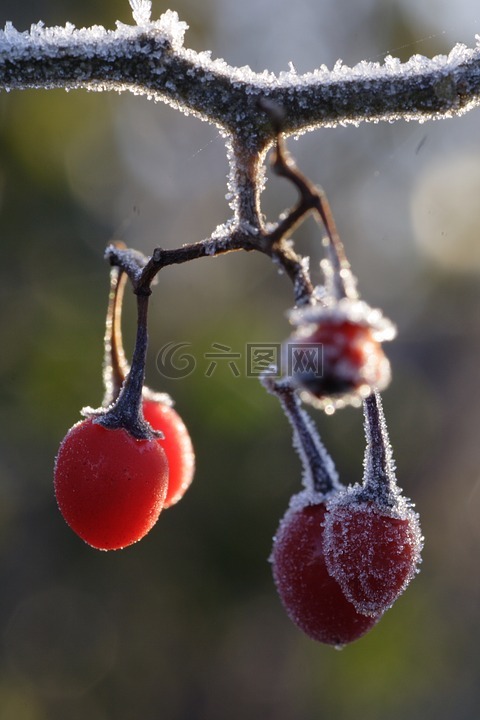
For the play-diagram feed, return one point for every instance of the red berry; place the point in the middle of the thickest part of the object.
(372, 552)
(312, 598)
(350, 359)
(372, 536)
(177, 446)
(110, 487)
(335, 354)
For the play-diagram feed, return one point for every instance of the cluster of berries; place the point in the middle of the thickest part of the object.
(341, 555)
(120, 466)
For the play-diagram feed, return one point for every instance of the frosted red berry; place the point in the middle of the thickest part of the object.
(312, 598)
(371, 551)
(335, 356)
(110, 487)
(177, 446)
(350, 358)
(157, 408)
(372, 535)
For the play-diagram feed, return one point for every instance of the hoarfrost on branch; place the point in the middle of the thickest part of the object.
(149, 58)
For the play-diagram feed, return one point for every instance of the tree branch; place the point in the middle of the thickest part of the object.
(150, 59)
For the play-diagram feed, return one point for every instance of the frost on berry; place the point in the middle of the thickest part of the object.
(371, 552)
(335, 354)
(311, 596)
(372, 540)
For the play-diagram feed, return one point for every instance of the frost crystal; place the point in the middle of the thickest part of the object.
(141, 11)
(170, 25)
(353, 311)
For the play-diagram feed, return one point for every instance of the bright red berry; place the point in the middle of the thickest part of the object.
(371, 551)
(177, 446)
(312, 598)
(110, 487)
(157, 408)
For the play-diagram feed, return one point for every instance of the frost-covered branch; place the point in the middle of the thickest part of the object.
(149, 58)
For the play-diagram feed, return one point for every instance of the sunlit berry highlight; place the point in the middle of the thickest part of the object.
(177, 446)
(312, 598)
(110, 487)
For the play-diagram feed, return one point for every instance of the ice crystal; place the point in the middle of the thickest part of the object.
(345, 310)
(141, 11)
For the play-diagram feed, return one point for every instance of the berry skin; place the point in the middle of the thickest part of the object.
(312, 598)
(177, 446)
(335, 355)
(352, 359)
(372, 552)
(110, 487)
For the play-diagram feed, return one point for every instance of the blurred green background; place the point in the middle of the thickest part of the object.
(187, 625)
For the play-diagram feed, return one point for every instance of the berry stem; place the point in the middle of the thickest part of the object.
(127, 411)
(319, 473)
(274, 243)
(312, 198)
(379, 479)
(115, 365)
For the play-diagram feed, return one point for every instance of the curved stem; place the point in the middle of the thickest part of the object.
(319, 473)
(312, 199)
(115, 365)
(127, 411)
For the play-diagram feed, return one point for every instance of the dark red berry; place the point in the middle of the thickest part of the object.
(110, 487)
(372, 535)
(371, 551)
(312, 598)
